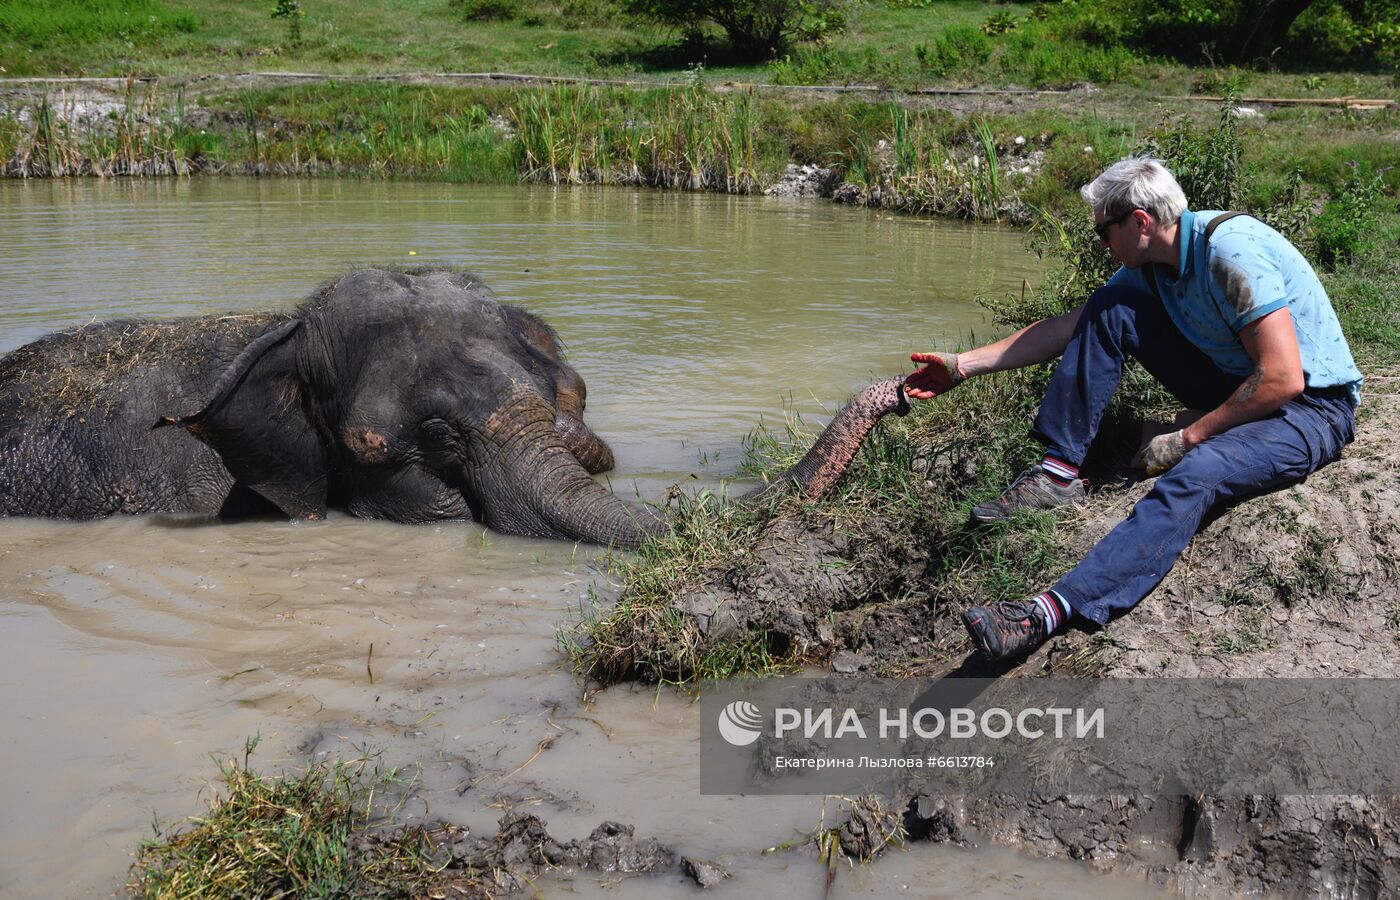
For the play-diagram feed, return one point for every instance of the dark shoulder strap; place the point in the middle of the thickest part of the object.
(1205, 251)
(1205, 246)
(1217, 222)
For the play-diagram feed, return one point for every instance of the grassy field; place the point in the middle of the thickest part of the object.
(892, 44)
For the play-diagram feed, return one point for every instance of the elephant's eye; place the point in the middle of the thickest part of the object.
(437, 433)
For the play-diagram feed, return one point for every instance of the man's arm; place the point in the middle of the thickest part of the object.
(1277, 378)
(1036, 343)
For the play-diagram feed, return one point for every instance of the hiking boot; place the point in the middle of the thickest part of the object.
(1007, 629)
(1032, 489)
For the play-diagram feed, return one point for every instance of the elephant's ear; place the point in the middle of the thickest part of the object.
(255, 421)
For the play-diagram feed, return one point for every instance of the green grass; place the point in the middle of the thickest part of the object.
(294, 835)
(900, 46)
(68, 25)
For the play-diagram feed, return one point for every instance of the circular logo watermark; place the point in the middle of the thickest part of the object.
(740, 723)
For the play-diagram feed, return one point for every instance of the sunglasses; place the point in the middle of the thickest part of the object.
(1101, 229)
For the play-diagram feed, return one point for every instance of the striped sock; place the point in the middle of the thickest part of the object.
(1059, 471)
(1055, 608)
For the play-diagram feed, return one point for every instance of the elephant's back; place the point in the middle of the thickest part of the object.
(77, 410)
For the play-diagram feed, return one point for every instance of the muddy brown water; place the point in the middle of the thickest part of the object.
(134, 651)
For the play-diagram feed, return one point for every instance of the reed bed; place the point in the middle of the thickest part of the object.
(915, 167)
(141, 134)
(689, 138)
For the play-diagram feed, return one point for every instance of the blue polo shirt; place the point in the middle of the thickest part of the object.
(1248, 271)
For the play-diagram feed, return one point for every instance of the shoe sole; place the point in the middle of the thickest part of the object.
(977, 642)
(988, 517)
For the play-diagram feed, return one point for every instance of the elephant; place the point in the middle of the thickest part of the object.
(407, 395)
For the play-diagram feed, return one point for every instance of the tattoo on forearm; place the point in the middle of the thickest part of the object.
(1251, 384)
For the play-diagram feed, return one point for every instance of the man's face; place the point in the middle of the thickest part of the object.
(1123, 235)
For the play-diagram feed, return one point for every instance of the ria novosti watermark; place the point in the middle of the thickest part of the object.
(741, 723)
(1238, 736)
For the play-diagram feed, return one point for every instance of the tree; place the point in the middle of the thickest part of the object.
(756, 28)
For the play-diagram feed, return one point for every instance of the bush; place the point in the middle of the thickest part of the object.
(1207, 164)
(486, 10)
(807, 65)
(756, 28)
(959, 47)
(1032, 54)
(1349, 221)
(1309, 32)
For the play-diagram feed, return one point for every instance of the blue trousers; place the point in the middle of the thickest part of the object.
(1279, 449)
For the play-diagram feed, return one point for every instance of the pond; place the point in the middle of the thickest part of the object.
(134, 651)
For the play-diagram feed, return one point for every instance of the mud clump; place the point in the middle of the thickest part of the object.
(703, 872)
(520, 850)
(781, 592)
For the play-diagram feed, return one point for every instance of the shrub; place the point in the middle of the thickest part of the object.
(486, 10)
(1310, 31)
(291, 11)
(959, 47)
(806, 65)
(1348, 223)
(755, 28)
(999, 23)
(1032, 54)
(1207, 164)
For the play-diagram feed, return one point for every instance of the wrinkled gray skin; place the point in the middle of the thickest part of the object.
(409, 397)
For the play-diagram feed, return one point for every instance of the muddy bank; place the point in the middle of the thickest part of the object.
(1301, 582)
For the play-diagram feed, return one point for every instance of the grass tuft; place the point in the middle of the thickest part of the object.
(296, 835)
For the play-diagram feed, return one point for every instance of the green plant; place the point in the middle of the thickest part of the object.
(956, 48)
(986, 180)
(1239, 31)
(486, 10)
(755, 28)
(291, 11)
(816, 64)
(999, 23)
(1208, 164)
(1348, 224)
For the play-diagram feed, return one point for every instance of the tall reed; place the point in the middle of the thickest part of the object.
(689, 138)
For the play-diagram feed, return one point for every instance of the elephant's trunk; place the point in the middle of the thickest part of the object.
(818, 471)
(534, 485)
(544, 491)
(589, 449)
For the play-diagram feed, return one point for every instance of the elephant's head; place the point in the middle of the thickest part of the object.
(416, 397)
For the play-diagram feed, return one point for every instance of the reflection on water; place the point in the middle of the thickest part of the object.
(133, 649)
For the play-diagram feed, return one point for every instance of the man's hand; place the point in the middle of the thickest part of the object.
(1161, 453)
(939, 375)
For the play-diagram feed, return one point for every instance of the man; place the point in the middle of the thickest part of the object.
(1233, 322)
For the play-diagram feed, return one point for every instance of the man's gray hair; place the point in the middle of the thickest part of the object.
(1138, 182)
